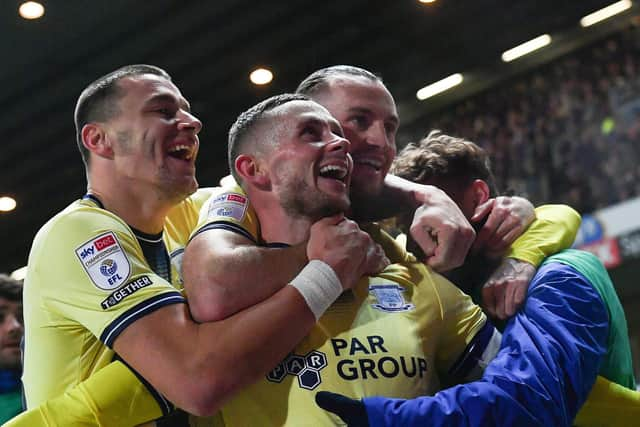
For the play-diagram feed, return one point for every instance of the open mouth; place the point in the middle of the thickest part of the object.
(372, 163)
(182, 151)
(334, 172)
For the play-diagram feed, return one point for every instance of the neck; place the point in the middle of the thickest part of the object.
(140, 208)
(276, 225)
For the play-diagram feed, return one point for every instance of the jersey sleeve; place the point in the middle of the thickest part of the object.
(229, 209)
(111, 396)
(554, 229)
(609, 404)
(467, 340)
(89, 270)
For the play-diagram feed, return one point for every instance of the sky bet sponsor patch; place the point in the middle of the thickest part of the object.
(130, 288)
(104, 261)
(228, 205)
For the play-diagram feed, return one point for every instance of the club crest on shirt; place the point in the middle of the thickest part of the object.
(228, 205)
(389, 298)
(104, 261)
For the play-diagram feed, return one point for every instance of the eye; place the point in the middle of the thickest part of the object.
(166, 112)
(391, 128)
(310, 131)
(360, 121)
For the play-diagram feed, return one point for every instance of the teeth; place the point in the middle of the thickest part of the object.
(181, 147)
(375, 163)
(338, 172)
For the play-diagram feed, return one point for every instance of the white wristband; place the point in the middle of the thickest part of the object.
(319, 286)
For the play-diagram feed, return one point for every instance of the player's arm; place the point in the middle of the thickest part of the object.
(609, 404)
(554, 229)
(438, 225)
(112, 396)
(199, 366)
(225, 272)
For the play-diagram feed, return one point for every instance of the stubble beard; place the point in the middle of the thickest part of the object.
(298, 199)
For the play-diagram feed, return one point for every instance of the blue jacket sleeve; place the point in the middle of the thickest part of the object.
(548, 361)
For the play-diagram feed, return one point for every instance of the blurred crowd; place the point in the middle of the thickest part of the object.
(568, 132)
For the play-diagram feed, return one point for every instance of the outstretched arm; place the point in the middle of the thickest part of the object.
(225, 272)
(112, 396)
(438, 225)
(553, 230)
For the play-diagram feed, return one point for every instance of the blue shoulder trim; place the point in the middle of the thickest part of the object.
(468, 360)
(225, 225)
(147, 306)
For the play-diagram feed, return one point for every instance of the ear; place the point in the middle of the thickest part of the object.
(480, 191)
(94, 138)
(252, 172)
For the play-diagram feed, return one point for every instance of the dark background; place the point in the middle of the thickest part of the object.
(211, 47)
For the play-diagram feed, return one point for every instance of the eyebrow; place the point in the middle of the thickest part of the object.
(163, 97)
(394, 118)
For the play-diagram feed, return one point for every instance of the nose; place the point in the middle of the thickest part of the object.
(11, 323)
(339, 144)
(187, 121)
(377, 135)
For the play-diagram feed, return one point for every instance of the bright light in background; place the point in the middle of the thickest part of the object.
(261, 76)
(439, 86)
(31, 10)
(20, 273)
(427, 1)
(227, 181)
(526, 48)
(605, 12)
(7, 204)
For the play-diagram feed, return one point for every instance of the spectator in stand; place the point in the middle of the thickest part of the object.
(11, 331)
(571, 127)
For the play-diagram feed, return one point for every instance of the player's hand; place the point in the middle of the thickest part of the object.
(440, 229)
(352, 411)
(505, 291)
(351, 252)
(506, 219)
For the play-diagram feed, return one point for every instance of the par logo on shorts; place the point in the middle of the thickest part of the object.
(104, 261)
(228, 205)
(390, 298)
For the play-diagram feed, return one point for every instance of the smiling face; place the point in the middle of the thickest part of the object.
(154, 137)
(367, 112)
(308, 161)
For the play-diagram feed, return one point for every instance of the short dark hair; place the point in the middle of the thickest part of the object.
(97, 102)
(246, 121)
(320, 79)
(10, 288)
(443, 157)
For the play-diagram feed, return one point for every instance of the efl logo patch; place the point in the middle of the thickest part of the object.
(104, 261)
(390, 298)
(228, 205)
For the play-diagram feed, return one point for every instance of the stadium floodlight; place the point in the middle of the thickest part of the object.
(7, 204)
(439, 86)
(605, 13)
(261, 76)
(31, 10)
(526, 48)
